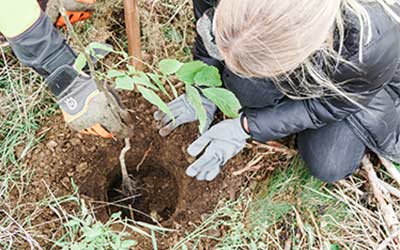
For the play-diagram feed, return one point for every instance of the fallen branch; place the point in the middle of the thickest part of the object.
(392, 190)
(391, 169)
(386, 242)
(384, 200)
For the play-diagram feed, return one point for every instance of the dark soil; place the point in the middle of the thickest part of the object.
(166, 193)
(156, 195)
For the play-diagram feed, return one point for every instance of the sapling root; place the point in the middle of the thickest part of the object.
(129, 185)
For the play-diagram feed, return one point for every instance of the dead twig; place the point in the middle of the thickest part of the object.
(391, 169)
(144, 157)
(392, 190)
(384, 200)
(270, 148)
(386, 242)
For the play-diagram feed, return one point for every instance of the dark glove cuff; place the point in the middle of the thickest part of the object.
(242, 116)
(61, 78)
(42, 47)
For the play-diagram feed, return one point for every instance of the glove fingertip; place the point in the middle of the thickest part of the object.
(164, 131)
(198, 146)
(158, 115)
(212, 175)
(194, 150)
(191, 172)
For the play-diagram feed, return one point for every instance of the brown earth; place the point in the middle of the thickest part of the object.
(164, 191)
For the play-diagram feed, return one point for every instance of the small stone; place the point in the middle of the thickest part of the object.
(214, 233)
(82, 167)
(65, 180)
(75, 141)
(51, 144)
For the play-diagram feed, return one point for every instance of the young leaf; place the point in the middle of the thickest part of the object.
(169, 66)
(189, 70)
(115, 73)
(194, 98)
(174, 92)
(154, 99)
(126, 244)
(99, 50)
(208, 76)
(155, 78)
(225, 100)
(80, 62)
(124, 82)
(131, 69)
(102, 46)
(143, 79)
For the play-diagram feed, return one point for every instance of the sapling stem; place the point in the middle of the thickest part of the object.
(128, 185)
(116, 108)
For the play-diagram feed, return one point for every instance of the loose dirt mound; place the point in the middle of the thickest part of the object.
(164, 191)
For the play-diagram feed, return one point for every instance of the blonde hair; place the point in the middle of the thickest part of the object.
(279, 39)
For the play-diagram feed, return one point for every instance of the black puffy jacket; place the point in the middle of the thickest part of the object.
(376, 81)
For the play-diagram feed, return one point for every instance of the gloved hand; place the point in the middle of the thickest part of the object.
(77, 10)
(183, 113)
(88, 110)
(222, 142)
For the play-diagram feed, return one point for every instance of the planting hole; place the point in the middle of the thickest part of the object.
(156, 196)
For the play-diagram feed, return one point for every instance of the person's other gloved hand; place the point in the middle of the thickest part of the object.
(77, 10)
(222, 142)
(183, 113)
(86, 109)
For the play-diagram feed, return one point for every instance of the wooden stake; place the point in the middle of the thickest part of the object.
(132, 25)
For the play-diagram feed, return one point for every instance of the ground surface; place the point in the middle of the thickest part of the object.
(51, 175)
(165, 192)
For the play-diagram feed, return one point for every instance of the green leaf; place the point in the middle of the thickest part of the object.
(225, 100)
(169, 66)
(144, 80)
(194, 98)
(155, 78)
(189, 70)
(128, 243)
(71, 223)
(154, 99)
(131, 69)
(174, 92)
(102, 46)
(125, 83)
(80, 62)
(99, 50)
(115, 73)
(116, 215)
(208, 76)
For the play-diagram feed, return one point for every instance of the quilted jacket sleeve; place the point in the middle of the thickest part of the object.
(378, 67)
(199, 50)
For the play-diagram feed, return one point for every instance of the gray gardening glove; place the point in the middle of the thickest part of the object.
(222, 142)
(85, 108)
(183, 113)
